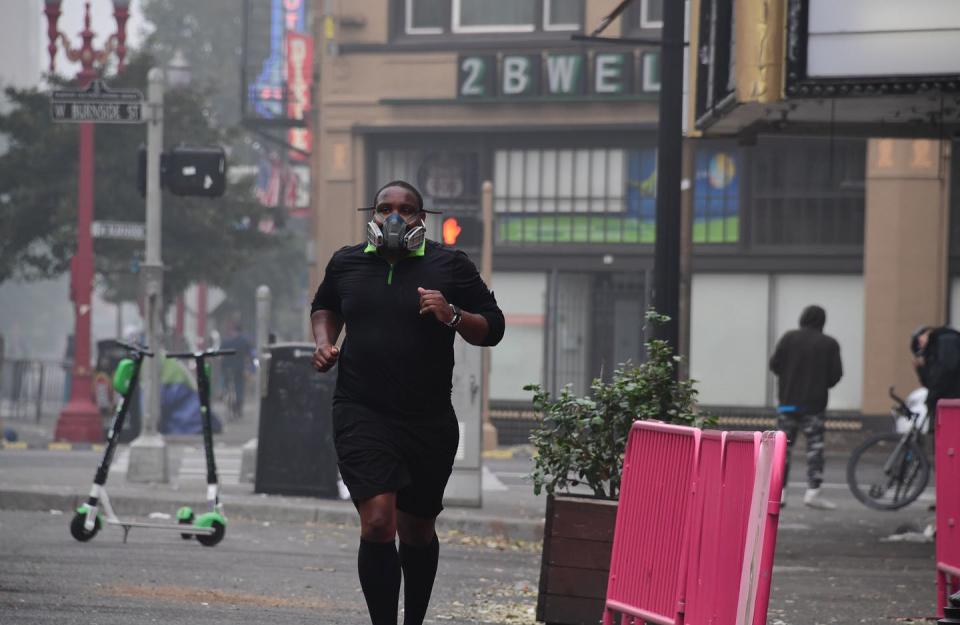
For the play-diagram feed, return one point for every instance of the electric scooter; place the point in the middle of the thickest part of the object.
(210, 527)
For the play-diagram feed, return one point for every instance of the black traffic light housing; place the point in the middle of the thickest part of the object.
(188, 171)
(197, 171)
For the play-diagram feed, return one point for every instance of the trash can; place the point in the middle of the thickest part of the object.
(295, 453)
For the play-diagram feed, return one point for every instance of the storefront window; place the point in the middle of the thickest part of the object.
(425, 17)
(651, 14)
(494, 15)
(561, 14)
(808, 191)
(606, 196)
(432, 17)
(570, 196)
(716, 196)
(448, 180)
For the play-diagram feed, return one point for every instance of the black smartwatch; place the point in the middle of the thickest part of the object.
(457, 317)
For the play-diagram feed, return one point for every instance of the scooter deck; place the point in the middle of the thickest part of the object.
(180, 529)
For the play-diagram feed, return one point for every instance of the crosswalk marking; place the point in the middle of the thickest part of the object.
(193, 464)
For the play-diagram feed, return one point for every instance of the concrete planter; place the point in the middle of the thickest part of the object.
(577, 541)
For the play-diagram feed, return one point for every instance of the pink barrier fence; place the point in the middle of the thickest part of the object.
(696, 526)
(947, 474)
(649, 541)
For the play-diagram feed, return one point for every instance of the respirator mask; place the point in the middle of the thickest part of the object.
(395, 234)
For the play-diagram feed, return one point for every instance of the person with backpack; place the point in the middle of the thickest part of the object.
(936, 358)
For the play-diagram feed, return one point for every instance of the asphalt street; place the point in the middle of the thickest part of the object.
(831, 567)
(261, 573)
(845, 566)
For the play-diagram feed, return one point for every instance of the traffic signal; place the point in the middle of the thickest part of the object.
(463, 231)
(187, 171)
(196, 171)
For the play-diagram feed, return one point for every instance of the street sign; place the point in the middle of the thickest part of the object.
(128, 230)
(98, 104)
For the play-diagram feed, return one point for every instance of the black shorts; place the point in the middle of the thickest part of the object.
(380, 453)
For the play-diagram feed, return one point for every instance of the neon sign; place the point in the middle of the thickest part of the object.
(266, 94)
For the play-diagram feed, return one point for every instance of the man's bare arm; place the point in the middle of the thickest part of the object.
(326, 330)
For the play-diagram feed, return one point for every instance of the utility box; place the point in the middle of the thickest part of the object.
(465, 487)
(295, 452)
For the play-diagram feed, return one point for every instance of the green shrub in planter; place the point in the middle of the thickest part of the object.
(581, 440)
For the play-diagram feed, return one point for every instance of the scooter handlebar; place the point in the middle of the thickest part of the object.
(206, 353)
(134, 347)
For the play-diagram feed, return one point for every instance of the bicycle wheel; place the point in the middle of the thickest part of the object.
(885, 475)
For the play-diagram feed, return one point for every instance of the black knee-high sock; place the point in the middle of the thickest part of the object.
(419, 570)
(379, 567)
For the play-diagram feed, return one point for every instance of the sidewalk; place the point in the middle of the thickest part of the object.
(39, 474)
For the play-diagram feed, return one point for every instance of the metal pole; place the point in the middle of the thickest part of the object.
(153, 267)
(248, 455)
(39, 404)
(666, 279)
(202, 315)
(486, 269)
(686, 258)
(262, 339)
(148, 453)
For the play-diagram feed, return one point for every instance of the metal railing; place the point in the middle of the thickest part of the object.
(32, 389)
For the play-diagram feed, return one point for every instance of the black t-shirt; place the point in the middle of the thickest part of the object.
(393, 359)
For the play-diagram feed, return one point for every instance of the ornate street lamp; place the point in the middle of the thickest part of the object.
(80, 420)
(179, 72)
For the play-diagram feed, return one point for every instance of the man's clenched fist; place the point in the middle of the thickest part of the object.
(324, 357)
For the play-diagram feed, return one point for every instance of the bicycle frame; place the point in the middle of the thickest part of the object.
(913, 434)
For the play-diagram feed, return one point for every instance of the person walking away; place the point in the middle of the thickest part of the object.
(807, 365)
(936, 358)
(402, 300)
(235, 368)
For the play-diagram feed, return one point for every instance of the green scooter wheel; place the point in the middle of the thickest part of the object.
(209, 540)
(77, 529)
(215, 521)
(185, 517)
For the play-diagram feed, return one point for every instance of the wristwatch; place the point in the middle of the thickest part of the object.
(457, 317)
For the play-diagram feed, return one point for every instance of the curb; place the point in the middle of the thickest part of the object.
(270, 511)
(21, 446)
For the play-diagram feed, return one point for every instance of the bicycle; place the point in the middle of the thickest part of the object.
(889, 471)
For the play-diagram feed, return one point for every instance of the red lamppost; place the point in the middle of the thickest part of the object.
(80, 420)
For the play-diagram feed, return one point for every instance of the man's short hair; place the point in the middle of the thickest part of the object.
(403, 184)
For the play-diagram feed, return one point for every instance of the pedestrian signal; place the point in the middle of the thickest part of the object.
(451, 230)
(463, 230)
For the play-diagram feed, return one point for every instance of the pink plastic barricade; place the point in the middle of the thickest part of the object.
(695, 534)
(761, 538)
(723, 500)
(651, 533)
(947, 473)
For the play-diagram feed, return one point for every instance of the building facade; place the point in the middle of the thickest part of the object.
(451, 93)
